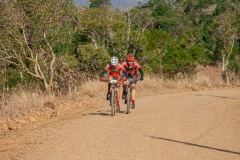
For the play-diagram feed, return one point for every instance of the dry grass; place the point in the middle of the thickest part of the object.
(93, 87)
(23, 102)
(155, 85)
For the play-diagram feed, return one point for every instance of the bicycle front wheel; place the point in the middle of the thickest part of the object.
(113, 101)
(128, 100)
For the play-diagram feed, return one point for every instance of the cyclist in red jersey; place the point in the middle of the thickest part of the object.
(131, 66)
(115, 70)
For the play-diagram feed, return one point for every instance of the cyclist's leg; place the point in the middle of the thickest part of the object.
(118, 89)
(109, 85)
(124, 85)
(133, 85)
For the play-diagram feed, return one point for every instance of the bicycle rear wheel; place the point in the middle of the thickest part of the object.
(128, 100)
(113, 101)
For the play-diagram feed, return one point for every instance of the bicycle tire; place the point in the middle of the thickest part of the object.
(128, 100)
(113, 101)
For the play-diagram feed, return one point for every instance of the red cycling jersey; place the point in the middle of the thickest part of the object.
(114, 71)
(131, 68)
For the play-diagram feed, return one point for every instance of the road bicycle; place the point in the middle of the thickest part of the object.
(113, 95)
(128, 97)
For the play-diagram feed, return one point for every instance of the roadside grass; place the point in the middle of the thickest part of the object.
(22, 102)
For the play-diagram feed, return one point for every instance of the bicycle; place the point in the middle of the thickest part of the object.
(113, 95)
(128, 99)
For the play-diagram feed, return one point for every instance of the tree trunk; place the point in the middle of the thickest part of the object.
(225, 77)
(225, 61)
(160, 65)
(47, 88)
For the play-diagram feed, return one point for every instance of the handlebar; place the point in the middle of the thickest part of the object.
(105, 80)
(113, 81)
(130, 79)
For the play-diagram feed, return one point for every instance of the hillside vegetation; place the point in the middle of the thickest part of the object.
(53, 47)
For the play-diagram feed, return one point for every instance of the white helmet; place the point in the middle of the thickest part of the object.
(114, 61)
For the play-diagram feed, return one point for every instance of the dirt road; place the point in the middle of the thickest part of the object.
(184, 126)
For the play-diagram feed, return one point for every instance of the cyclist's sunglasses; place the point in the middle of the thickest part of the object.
(130, 61)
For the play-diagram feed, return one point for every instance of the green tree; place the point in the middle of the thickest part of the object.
(129, 34)
(92, 60)
(96, 24)
(99, 3)
(157, 46)
(225, 30)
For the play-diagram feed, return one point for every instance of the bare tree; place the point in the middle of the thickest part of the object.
(31, 30)
(226, 31)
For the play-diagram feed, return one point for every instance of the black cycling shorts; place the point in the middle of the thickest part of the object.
(134, 78)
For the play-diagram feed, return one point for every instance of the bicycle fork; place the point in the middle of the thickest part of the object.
(113, 91)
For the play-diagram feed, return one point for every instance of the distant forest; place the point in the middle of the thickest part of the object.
(116, 3)
(49, 44)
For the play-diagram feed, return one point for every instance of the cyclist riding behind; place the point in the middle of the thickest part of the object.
(131, 66)
(114, 69)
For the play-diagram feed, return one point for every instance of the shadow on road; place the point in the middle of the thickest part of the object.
(123, 112)
(99, 113)
(213, 96)
(103, 113)
(195, 145)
